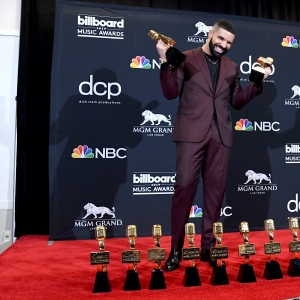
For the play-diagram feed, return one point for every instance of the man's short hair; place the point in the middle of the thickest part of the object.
(225, 24)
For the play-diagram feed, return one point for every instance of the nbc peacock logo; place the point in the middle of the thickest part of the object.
(243, 125)
(289, 41)
(195, 212)
(82, 152)
(140, 62)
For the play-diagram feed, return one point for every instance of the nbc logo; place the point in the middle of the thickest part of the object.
(289, 41)
(82, 152)
(195, 212)
(243, 124)
(140, 62)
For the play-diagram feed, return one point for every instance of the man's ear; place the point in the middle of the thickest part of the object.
(211, 33)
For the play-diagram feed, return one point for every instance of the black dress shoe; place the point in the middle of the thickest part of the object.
(205, 256)
(172, 263)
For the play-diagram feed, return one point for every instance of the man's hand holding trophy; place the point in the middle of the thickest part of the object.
(261, 72)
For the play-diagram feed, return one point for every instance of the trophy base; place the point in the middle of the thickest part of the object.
(175, 57)
(132, 282)
(257, 76)
(191, 277)
(272, 270)
(157, 280)
(101, 283)
(294, 267)
(219, 275)
(246, 274)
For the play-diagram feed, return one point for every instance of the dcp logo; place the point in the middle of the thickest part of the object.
(99, 88)
(293, 205)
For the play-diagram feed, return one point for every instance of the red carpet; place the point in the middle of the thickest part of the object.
(30, 269)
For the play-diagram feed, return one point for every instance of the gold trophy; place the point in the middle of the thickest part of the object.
(246, 273)
(294, 265)
(258, 72)
(101, 259)
(157, 255)
(192, 253)
(272, 268)
(174, 56)
(131, 257)
(219, 274)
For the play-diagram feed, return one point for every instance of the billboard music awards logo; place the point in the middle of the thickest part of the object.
(292, 153)
(295, 99)
(201, 34)
(153, 183)
(257, 183)
(86, 152)
(100, 26)
(154, 124)
(94, 217)
(246, 125)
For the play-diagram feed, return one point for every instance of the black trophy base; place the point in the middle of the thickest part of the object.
(132, 282)
(219, 275)
(157, 280)
(246, 274)
(175, 57)
(256, 76)
(191, 277)
(294, 267)
(101, 283)
(272, 270)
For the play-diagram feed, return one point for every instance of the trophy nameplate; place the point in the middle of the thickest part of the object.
(173, 55)
(101, 259)
(246, 249)
(272, 268)
(294, 264)
(131, 257)
(157, 255)
(258, 72)
(219, 273)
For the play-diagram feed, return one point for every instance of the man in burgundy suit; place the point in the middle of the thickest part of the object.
(207, 84)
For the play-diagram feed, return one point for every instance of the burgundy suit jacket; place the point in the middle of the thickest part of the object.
(192, 83)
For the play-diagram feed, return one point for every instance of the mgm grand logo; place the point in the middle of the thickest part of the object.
(94, 217)
(257, 183)
(154, 124)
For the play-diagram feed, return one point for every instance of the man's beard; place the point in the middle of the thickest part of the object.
(214, 52)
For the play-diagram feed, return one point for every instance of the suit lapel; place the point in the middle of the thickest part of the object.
(201, 61)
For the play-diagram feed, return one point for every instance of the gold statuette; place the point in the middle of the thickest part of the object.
(258, 72)
(294, 265)
(101, 259)
(173, 55)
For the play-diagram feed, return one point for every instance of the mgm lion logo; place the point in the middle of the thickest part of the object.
(257, 177)
(92, 209)
(296, 90)
(151, 117)
(202, 28)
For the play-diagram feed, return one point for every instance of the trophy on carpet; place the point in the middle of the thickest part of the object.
(294, 265)
(131, 257)
(272, 268)
(191, 277)
(174, 56)
(246, 273)
(101, 259)
(219, 274)
(157, 255)
(257, 73)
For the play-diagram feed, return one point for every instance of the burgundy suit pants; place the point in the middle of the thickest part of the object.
(208, 158)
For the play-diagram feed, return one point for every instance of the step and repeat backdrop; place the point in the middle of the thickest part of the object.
(111, 158)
